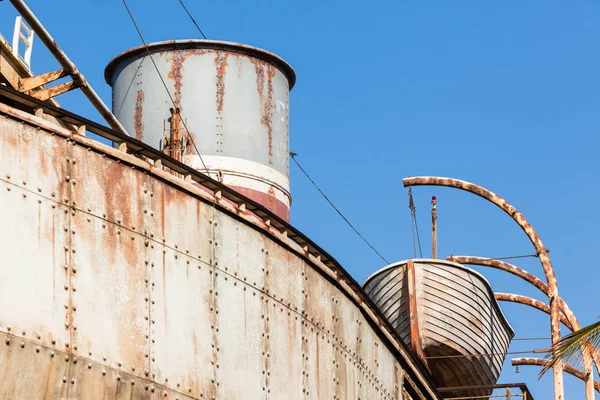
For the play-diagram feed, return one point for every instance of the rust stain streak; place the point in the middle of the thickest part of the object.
(260, 78)
(138, 122)
(221, 70)
(221, 66)
(266, 101)
(176, 75)
(267, 110)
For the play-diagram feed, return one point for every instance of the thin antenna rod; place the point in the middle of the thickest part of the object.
(68, 65)
(434, 254)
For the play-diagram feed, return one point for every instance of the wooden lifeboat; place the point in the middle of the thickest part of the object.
(448, 315)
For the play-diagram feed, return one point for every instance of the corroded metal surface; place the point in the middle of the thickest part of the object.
(532, 279)
(528, 301)
(36, 81)
(138, 115)
(233, 100)
(415, 332)
(17, 76)
(567, 368)
(588, 377)
(61, 375)
(70, 68)
(504, 266)
(541, 251)
(144, 289)
(454, 322)
(107, 238)
(35, 271)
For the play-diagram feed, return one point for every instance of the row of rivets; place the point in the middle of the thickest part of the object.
(235, 283)
(337, 318)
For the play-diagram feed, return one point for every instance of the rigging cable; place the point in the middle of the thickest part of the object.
(192, 18)
(164, 84)
(415, 227)
(513, 257)
(412, 222)
(293, 156)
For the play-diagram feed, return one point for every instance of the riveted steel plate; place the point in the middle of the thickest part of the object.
(319, 299)
(342, 375)
(106, 189)
(321, 365)
(398, 382)
(240, 250)
(385, 372)
(180, 221)
(360, 387)
(90, 380)
(33, 283)
(182, 317)
(108, 269)
(34, 159)
(366, 353)
(285, 277)
(378, 362)
(284, 346)
(34, 240)
(345, 324)
(284, 281)
(108, 291)
(348, 376)
(23, 360)
(240, 350)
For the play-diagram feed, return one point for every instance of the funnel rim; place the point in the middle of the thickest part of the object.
(175, 45)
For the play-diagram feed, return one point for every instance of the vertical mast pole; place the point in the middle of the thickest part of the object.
(434, 228)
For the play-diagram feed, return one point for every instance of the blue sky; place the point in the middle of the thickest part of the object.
(500, 93)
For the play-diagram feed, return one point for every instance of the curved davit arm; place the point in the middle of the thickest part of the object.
(567, 368)
(528, 301)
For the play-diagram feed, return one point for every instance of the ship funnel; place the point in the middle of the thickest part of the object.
(231, 106)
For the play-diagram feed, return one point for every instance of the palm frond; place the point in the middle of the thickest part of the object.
(571, 348)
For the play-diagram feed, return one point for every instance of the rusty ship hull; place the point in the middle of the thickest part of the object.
(122, 280)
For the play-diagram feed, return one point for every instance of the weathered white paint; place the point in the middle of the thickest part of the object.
(164, 289)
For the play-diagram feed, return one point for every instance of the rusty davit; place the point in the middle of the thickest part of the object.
(164, 266)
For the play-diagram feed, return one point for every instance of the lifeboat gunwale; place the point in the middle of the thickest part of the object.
(468, 270)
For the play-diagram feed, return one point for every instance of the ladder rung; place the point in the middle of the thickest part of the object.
(25, 27)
